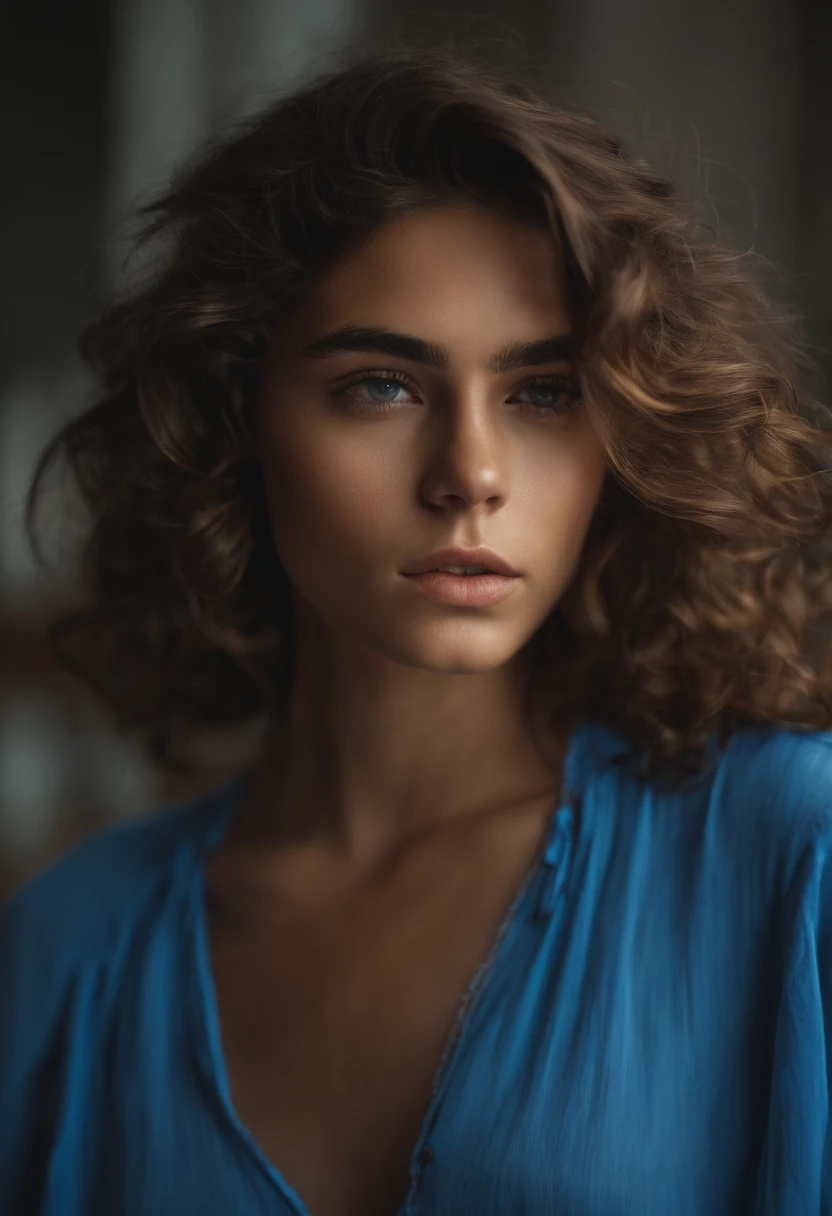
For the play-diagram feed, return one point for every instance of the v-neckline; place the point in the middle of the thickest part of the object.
(207, 1004)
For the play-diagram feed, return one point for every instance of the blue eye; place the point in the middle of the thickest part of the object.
(381, 390)
(555, 395)
(547, 392)
(542, 397)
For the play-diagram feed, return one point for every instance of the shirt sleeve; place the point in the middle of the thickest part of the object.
(797, 1164)
(823, 962)
(32, 991)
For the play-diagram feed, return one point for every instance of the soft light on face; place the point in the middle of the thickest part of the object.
(374, 459)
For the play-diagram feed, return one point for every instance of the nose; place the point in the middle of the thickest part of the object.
(469, 459)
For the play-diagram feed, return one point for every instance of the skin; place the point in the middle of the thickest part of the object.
(383, 833)
(407, 712)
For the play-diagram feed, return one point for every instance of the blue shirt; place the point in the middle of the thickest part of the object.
(651, 1034)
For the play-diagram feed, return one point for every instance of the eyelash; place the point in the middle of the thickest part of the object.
(399, 378)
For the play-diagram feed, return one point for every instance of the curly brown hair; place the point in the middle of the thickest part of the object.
(701, 599)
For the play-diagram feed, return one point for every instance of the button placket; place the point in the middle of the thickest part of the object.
(556, 864)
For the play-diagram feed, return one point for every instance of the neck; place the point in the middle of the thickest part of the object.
(370, 753)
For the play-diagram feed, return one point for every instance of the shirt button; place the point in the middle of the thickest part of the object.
(428, 1154)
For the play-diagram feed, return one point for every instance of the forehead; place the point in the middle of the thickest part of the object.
(450, 272)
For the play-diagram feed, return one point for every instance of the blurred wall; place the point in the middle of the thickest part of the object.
(101, 100)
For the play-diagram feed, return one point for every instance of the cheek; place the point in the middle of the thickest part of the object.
(328, 496)
(565, 492)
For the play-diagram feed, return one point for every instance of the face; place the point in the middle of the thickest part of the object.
(447, 418)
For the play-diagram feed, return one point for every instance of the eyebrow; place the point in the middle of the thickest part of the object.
(391, 342)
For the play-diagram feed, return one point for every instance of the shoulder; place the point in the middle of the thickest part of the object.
(75, 906)
(778, 780)
(764, 775)
(74, 954)
(762, 803)
(766, 817)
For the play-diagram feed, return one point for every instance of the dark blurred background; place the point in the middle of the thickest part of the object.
(100, 99)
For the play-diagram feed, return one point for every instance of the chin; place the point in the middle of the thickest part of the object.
(469, 656)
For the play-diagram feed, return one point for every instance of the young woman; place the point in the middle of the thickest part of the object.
(446, 444)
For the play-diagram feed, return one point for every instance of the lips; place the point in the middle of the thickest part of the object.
(464, 591)
(494, 564)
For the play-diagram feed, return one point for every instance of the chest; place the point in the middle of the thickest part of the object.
(335, 1020)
